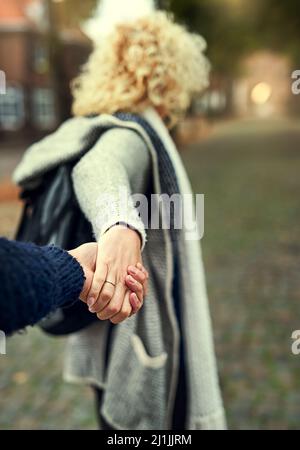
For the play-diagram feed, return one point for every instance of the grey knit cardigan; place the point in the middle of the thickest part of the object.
(140, 380)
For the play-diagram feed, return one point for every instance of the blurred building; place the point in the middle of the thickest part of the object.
(34, 102)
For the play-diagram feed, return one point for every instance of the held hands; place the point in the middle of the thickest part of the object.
(119, 281)
(116, 281)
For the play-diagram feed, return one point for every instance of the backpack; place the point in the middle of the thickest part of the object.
(51, 215)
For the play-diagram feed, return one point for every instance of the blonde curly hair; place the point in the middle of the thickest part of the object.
(150, 62)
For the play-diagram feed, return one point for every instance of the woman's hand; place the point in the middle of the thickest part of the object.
(137, 282)
(118, 249)
(136, 279)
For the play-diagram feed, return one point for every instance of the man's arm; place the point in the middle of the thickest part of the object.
(35, 281)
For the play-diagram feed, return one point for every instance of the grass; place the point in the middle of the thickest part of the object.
(249, 173)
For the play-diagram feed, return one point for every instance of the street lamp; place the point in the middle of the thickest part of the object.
(261, 93)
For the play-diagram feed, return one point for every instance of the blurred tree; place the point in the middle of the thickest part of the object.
(234, 28)
(63, 14)
(225, 31)
(278, 26)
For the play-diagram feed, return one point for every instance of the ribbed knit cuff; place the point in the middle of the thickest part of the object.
(69, 274)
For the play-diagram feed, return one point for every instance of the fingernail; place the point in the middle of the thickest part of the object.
(134, 300)
(93, 309)
(131, 279)
(133, 270)
(91, 301)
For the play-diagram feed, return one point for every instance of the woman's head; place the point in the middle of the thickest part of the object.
(150, 62)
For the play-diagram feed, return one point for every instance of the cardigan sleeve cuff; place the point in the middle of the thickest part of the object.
(115, 216)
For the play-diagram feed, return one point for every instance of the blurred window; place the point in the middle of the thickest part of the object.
(213, 101)
(44, 108)
(2, 83)
(12, 110)
(40, 59)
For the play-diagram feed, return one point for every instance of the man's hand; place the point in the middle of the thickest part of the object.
(86, 255)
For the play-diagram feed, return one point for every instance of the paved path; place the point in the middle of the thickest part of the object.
(249, 172)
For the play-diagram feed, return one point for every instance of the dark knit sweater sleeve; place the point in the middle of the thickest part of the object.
(34, 281)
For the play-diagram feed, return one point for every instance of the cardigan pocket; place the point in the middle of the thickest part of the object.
(136, 389)
(153, 362)
(216, 420)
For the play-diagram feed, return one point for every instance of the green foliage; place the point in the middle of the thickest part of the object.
(278, 25)
(225, 32)
(233, 28)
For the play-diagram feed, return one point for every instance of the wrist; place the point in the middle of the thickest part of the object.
(70, 274)
(127, 228)
(73, 254)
